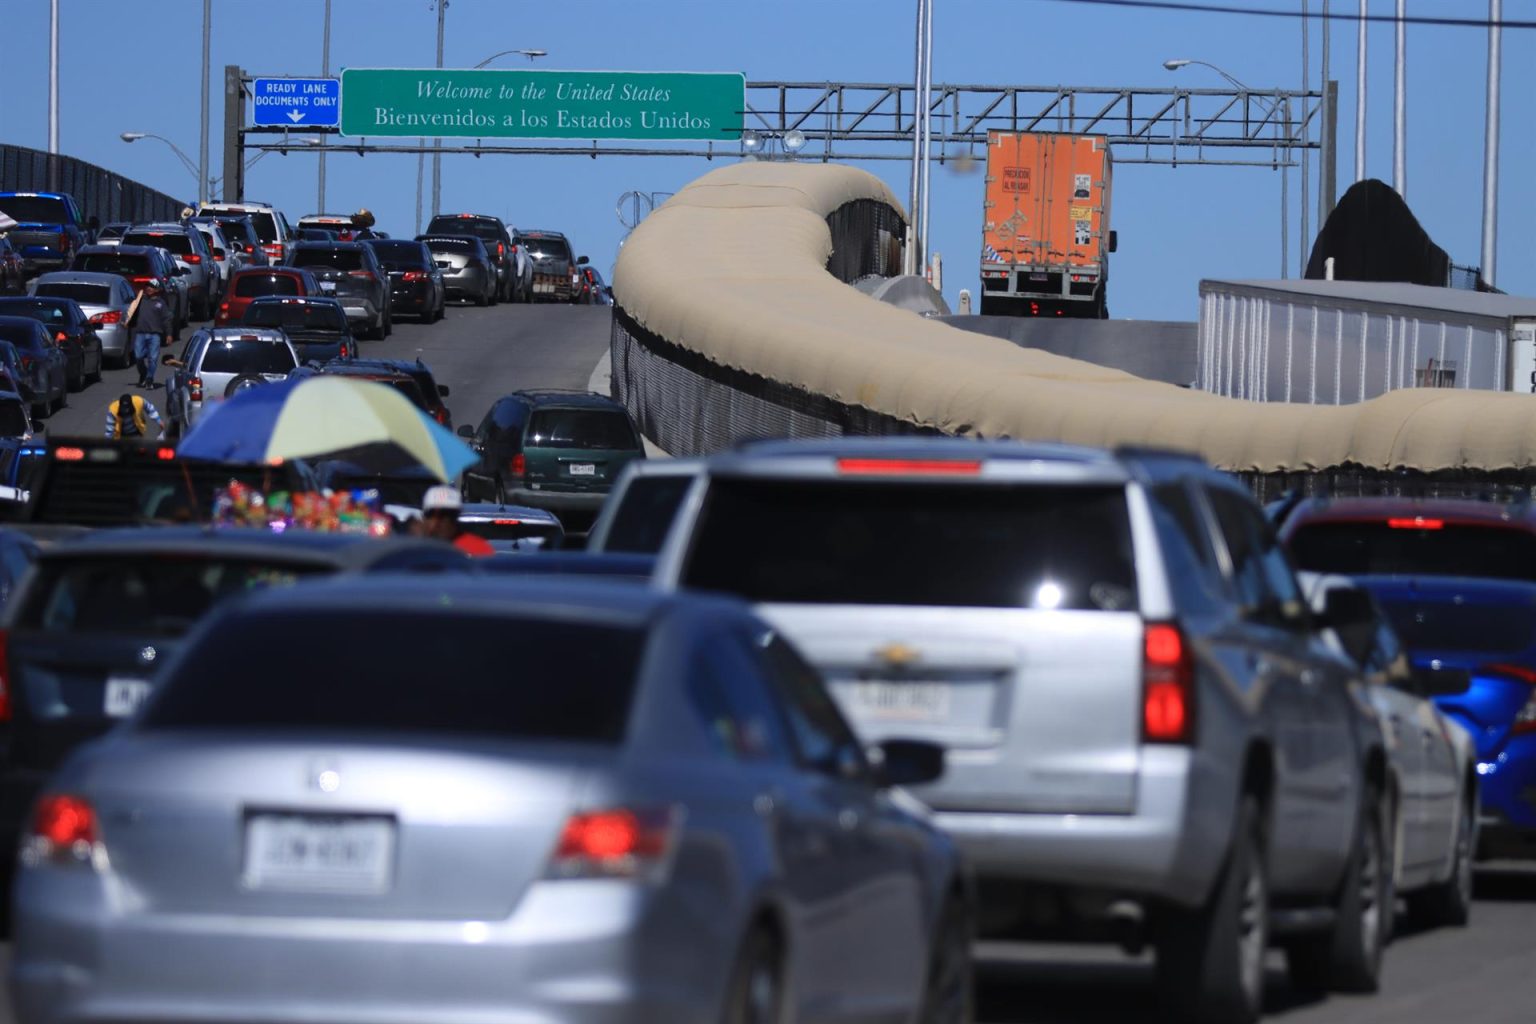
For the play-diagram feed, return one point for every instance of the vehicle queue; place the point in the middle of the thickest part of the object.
(789, 777)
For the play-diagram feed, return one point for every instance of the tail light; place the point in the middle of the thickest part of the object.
(366, 274)
(63, 242)
(111, 316)
(414, 275)
(250, 250)
(219, 257)
(1525, 718)
(274, 251)
(195, 389)
(1415, 523)
(441, 415)
(5, 677)
(60, 337)
(501, 250)
(1168, 686)
(512, 248)
(141, 281)
(27, 363)
(192, 257)
(518, 466)
(619, 843)
(64, 830)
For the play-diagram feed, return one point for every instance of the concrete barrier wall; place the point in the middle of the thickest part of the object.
(729, 325)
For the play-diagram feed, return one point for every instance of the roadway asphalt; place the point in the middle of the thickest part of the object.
(481, 354)
(1485, 973)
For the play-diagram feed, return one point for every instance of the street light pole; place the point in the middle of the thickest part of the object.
(1400, 105)
(1306, 156)
(1360, 96)
(53, 77)
(437, 143)
(912, 254)
(202, 141)
(1491, 143)
(325, 72)
(927, 122)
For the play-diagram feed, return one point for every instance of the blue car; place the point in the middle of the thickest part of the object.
(1487, 627)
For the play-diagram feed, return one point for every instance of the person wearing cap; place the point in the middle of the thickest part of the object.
(130, 416)
(440, 519)
(149, 320)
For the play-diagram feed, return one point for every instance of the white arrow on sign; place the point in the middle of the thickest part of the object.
(295, 116)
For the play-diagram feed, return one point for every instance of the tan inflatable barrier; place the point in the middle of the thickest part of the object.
(732, 268)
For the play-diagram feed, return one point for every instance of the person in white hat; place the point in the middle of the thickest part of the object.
(440, 519)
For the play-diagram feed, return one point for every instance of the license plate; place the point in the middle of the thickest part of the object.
(543, 287)
(906, 702)
(312, 853)
(328, 286)
(583, 469)
(124, 696)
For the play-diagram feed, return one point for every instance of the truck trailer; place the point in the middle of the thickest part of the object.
(1045, 226)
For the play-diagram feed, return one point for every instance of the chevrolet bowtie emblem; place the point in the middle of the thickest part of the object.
(898, 654)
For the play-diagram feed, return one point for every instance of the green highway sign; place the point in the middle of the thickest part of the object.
(382, 102)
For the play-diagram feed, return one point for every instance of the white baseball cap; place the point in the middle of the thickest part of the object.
(442, 498)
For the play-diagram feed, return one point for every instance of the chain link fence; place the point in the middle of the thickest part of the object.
(98, 191)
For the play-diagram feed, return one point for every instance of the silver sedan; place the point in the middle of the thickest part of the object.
(549, 802)
(104, 298)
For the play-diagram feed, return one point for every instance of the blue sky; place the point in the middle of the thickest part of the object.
(134, 65)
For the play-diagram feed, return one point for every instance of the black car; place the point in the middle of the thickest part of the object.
(86, 632)
(350, 272)
(41, 362)
(72, 332)
(318, 328)
(498, 246)
(415, 280)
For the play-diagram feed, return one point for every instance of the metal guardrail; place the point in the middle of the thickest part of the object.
(98, 191)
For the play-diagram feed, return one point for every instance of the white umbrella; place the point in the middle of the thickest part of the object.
(6, 223)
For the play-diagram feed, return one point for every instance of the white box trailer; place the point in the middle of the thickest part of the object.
(1337, 342)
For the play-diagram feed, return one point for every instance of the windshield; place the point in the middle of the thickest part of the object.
(13, 420)
(951, 545)
(310, 318)
(35, 209)
(324, 256)
(1490, 628)
(253, 285)
(236, 356)
(86, 294)
(581, 428)
(645, 513)
(121, 263)
(150, 595)
(170, 241)
(574, 681)
(1438, 549)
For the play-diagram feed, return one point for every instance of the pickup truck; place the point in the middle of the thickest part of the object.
(49, 229)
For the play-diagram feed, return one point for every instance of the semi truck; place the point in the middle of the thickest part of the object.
(1045, 227)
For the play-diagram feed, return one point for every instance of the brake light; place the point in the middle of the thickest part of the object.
(519, 465)
(1415, 523)
(368, 274)
(5, 677)
(501, 250)
(506, 522)
(512, 247)
(69, 454)
(615, 843)
(60, 337)
(165, 454)
(1168, 686)
(219, 256)
(64, 829)
(111, 316)
(414, 275)
(141, 281)
(192, 257)
(195, 389)
(274, 251)
(917, 467)
(251, 249)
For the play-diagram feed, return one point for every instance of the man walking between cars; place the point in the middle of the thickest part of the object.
(129, 417)
(149, 318)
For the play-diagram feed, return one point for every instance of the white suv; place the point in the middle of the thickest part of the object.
(271, 226)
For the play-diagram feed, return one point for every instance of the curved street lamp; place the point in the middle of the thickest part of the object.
(530, 54)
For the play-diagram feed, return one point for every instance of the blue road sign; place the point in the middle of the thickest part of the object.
(297, 102)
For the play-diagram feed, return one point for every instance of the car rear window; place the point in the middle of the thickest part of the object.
(295, 316)
(34, 209)
(266, 225)
(645, 513)
(249, 286)
(336, 259)
(235, 356)
(236, 230)
(170, 241)
(510, 527)
(41, 310)
(580, 428)
(954, 545)
(451, 245)
(574, 682)
(408, 387)
(120, 263)
(87, 294)
(146, 595)
(13, 418)
(1438, 549)
(1449, 626)
(399, 255)
(541, 248)
(23, 336)
(481, 226)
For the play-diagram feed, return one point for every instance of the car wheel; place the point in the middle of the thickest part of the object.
(1210, 961)
(101, 359)
(76, 381)
(949, 996)
(1449, 904)
(484, 298)
(756, 991)
(1347, 956)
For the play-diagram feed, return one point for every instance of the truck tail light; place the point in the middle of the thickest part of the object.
(518, 465)
(1168, 686)
(195, 389)
(273, 251)
(63, 242)
(618, 843)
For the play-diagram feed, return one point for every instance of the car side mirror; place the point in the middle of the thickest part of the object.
(582, 261)
(906, 762)
(1429, 681)
(466, 431)
(1351, 614)
(442, 390)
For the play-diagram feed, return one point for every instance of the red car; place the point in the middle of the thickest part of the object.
(254, 282)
